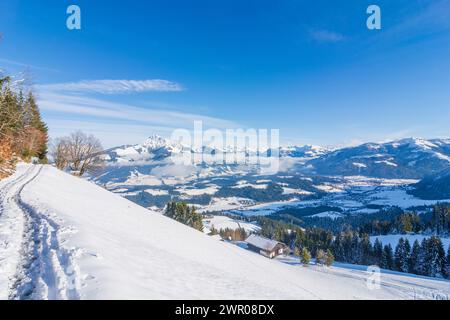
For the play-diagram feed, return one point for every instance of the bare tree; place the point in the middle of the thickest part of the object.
(80, 153)
(59, 153)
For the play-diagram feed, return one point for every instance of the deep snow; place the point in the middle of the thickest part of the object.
(71, 239)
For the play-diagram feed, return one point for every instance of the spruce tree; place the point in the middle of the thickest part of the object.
(448, 263)
(436, 263)
(387, 257)
(306, 257)
(330, 258)
(35, 122)
(414, 258)
(366, 251)
(407, 248)
(401, 256)
(181, 212)
(21, 125)
(422, 260)
(377, 251)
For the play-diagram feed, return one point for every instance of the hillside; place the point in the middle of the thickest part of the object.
(405, 159)
(98, 245)
(435, 187)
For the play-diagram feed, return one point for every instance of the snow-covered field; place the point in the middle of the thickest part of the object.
(352, 196)
(223, 222)
(66, 238)
(328, 214)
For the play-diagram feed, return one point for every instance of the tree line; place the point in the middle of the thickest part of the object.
(182, 212)
(23, 133)
(423, 258)
(24, 136)
(391, 221)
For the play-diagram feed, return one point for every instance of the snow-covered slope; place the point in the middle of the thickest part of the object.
(66, 238)
(407, 158)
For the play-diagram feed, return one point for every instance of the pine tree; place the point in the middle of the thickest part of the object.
(401, 256)
(330, 258)
(435, 261)
(414, 259)
(377, 251)
(407, 248)
(181, 212)
(448, 264)
(422, 260)
(36, 123)
(387, 258)
(320, 257)
(366, 250)
(306, 257)
(21, 126)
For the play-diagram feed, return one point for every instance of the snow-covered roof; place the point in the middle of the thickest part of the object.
(261, 242)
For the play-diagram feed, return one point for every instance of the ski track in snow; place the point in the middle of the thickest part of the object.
(40, 268)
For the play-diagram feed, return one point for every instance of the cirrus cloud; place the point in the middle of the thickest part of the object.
(327, 36)
(113, 86)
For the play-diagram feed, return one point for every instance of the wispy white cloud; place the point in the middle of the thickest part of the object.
(112, 86)
(117, 123)
(327, 36)
(424, 18)
(24, 65)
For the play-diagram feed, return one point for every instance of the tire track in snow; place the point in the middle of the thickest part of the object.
(45, 270)
(11, 230)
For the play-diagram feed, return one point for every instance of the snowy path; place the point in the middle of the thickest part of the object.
(32, 265)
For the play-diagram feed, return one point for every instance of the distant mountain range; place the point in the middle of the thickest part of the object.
(405, 159)
(146, 174)
(158, 148)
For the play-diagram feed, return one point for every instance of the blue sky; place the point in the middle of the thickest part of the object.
(309, 68)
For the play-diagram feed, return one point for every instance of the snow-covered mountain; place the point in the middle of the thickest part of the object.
(153, 148)
(405, 159)
(146, 174)
(307, 151)
(66, 238)
(408, 158)
(159, 148)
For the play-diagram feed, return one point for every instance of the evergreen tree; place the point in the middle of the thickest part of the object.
(402, 256)
(377, 251)
(320, 257)
(306, 257)
(387, 258)
(422, 260)
(435, 258)
(213, 231)
(181, 212)
(448, 263)
(330, 258)
(366, 250)
(407, 248)
(414, 259)
(21, 126)
(36, 123)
